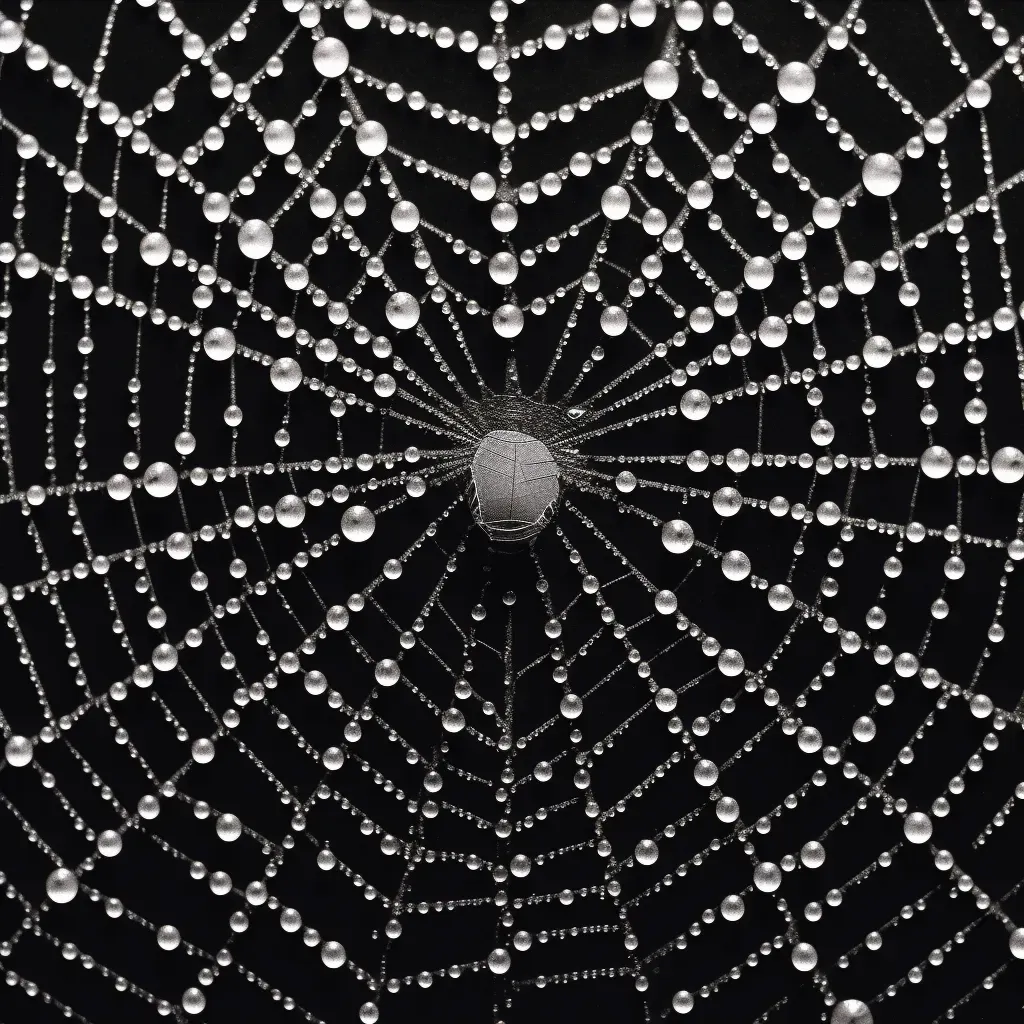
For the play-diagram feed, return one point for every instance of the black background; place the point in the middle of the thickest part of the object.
(903, 43)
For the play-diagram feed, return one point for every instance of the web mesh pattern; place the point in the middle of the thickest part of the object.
(738, 735)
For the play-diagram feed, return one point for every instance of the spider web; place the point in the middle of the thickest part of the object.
(686, 751)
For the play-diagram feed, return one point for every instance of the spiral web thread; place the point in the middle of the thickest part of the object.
(592, 558)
